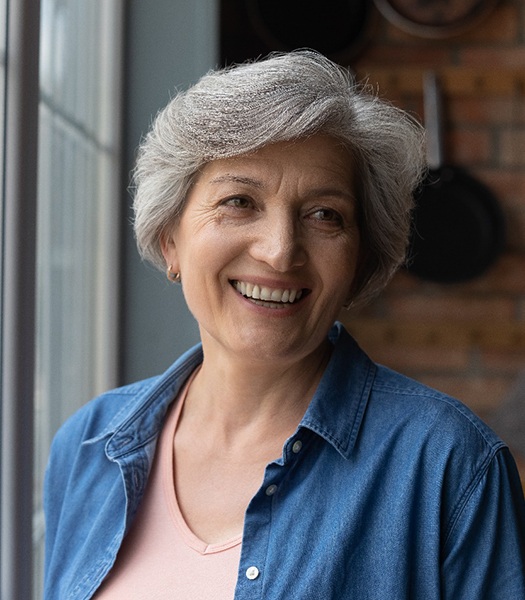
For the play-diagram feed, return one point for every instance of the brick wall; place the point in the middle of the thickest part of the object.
(465, 339)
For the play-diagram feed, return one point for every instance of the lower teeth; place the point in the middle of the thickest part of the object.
(267, 304)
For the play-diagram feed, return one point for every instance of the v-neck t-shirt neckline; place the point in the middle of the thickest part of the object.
(168, 481)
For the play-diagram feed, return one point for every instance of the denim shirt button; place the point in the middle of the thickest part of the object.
(271, 489)
(296, 448)
(252, 572)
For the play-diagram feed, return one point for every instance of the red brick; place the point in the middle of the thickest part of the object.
(506, 276)
(481, 394)
(516, 230)
(512, 148)
(493, 57)
(450, 306)
(508, 185)
(467, 147)
(405, 282)
(520, 462)
(396, 36)
(409, 359)
(475, 110)
(510, 363)
(502, 26)
(422, 56)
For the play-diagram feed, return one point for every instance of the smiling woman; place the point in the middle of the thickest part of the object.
(275, 460)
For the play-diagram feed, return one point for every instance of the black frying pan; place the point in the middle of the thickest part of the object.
(336, 28)
(458, 227)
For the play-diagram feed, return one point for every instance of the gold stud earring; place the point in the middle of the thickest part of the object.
(172, 276)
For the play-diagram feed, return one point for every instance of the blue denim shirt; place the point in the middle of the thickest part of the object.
(388, 490)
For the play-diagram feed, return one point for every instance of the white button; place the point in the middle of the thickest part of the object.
(252, 572)
(296, 448)
(271, 489)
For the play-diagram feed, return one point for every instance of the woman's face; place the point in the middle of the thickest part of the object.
(267, 247)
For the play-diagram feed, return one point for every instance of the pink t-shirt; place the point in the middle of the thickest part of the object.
(161, 558)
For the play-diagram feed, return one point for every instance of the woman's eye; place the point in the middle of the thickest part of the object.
(327, 215)
(237, 202)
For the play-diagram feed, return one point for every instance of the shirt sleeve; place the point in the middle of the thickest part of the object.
(484, 555)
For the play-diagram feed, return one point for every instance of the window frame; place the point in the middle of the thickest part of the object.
(18, 298)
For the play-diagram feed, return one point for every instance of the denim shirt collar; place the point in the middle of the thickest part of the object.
(139, 423)
(337, 408)
(349, 375)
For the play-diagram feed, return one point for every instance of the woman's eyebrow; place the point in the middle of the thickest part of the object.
(257, 183)
(335, 192)
(231, 178)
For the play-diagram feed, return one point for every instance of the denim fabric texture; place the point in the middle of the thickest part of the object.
(388, 490)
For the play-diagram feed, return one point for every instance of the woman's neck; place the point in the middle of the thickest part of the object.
(233, 397)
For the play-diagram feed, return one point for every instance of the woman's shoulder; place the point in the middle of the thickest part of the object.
(437, 438)
(102, 414)
(432, 412)
(105, 413)
(383, 404)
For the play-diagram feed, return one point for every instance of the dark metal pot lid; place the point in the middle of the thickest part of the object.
(435, 18)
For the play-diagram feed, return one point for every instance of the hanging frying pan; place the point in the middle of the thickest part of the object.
(458, 227)
(435, 18)
(336, 28)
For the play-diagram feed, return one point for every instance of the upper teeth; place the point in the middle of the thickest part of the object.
(260, 292)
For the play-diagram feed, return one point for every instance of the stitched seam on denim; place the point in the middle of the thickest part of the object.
(469, 491)
(91, 578)
(438, 397)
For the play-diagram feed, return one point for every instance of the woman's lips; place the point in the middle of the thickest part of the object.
(268, 296)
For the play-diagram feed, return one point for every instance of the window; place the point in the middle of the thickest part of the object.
(78, 199)
(70, 221)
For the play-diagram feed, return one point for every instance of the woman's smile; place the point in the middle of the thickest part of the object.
(276, 298)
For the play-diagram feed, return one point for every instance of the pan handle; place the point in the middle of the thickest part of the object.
(433, 119)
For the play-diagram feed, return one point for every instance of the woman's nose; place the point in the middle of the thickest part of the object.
(279, 244)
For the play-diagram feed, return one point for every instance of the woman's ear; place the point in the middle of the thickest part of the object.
(168, 247)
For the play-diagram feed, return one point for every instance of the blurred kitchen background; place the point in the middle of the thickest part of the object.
(463, 334)
(83, 81)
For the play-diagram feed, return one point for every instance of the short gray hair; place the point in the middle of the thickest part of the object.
(284, 97)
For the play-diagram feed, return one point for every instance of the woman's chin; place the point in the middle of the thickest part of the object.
(267, 342)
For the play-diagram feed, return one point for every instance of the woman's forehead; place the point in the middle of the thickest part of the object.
(318, 157)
